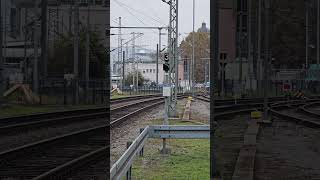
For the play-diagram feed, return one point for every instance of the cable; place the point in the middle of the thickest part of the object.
(158, 21)
(132, 14)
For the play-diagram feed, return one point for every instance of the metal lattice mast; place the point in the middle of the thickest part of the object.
(173, 55)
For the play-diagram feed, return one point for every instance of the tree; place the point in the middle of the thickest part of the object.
(129, 78)
(202, 45)
(61, 59)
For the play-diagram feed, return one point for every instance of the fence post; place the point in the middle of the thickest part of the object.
(94, 92)
(40, 92)
(101, 91)
(129, 173)
(73, 91)
(142, 149)
(64, 92)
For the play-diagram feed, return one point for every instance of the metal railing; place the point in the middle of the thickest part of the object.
(124, 163)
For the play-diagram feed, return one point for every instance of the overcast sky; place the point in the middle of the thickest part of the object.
(155, 13)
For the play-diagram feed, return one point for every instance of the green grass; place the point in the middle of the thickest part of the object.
(14, 110)
(189, 159)
(117, 96)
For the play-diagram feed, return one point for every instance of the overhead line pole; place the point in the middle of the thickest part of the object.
(44, 38)
(307, 33)
(1, 58)
(88, 52)
(76, 49)
(266, 61)
(193, 69)
(240, 44)
(259, 68)
(250, 62)
(318, 32)
(176, 56)
(157, 66)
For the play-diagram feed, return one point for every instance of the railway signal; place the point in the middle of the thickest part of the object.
(166, 62)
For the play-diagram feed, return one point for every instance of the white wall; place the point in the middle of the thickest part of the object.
(148, 70)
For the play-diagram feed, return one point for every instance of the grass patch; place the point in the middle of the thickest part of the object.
(15, 110)
(189, 159)
(117, 96)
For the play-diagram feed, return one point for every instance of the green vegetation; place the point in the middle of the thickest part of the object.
(189, 159)
(133, 75)
(15, 110)
(61, 58)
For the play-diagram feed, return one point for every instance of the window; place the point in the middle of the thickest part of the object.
(147, 70)
(154, 70)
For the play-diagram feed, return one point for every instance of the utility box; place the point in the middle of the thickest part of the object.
(166, 91)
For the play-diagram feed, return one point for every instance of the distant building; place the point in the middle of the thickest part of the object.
(204, 28)
(144, 60)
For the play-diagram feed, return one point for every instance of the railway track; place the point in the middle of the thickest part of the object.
(289, 148)
(64, 156)
(286, 149)
(58, 157)
(14, 125)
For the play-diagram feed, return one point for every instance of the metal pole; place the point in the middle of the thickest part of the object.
(157, 66)
(240, 45)
(189, 73)
(307, 33)
(44, 37)
(133, 59)
(123, 70)
(222, 77)
(25, 65)
(176, 57)
(76, 49)
(119, 47)
(259, 49)
(318, 32)
(159, 51)
(250, 62)
(193, 33)
(266, 59)
(2, 83)
(35, 62)
(5, 33)
(122, 66)
(88, 52)
(137, 78)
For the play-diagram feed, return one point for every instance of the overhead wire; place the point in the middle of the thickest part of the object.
(142, 13)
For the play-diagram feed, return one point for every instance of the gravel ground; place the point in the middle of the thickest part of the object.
(130, 129)
(287, 151)
(229, 138)
(200, 111)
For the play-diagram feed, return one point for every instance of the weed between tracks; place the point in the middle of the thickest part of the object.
(189, 159)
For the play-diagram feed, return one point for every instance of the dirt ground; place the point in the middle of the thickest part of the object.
(200, 111)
